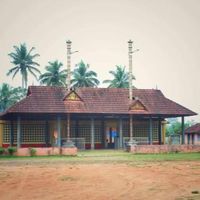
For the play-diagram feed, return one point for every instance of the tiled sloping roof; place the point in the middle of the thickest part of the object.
(45, 99)
(193, 129)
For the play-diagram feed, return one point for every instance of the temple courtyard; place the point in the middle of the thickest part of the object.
(102, 175)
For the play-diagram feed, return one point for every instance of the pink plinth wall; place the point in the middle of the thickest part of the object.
(45, 151)
(23, 152)
(69, 151)
(163, 148)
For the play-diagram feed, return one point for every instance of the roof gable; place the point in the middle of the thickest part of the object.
(72, 96)
(137, 105)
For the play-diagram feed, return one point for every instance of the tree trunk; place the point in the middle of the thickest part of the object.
(22, 82)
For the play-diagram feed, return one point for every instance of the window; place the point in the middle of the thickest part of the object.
(31, 132)
(141, 129)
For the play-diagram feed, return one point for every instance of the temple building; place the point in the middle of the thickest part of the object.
(96, 117)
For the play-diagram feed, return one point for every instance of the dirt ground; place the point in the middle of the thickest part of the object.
(160, 180)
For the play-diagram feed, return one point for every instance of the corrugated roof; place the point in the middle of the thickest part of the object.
(46, 99)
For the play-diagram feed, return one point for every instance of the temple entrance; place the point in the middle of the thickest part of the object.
(111, 134)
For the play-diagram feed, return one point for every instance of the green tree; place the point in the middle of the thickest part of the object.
(174, 127)
(54, 76)
(82, 77)
(24, 63)
(120, 78)
(10, 95)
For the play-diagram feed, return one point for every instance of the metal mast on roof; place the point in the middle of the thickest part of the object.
(69, 52)
(68, 64)
(130, 52)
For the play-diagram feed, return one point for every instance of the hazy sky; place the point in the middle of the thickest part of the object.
(167, 32)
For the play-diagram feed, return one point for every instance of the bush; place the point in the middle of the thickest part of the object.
(12, 150)
(32, 151)
(2, 150)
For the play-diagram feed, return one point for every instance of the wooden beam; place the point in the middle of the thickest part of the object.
(92, 133)
(120, 133)
(18, 132)
(46, 133)
(68, 126)
(159, 131)
(1, 132)
(103, 132)
(59, 131)
(131, 127)
(76, 128)
(11, 133)
(183, 129)
(150, 131)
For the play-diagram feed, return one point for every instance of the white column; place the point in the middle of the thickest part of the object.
(92, 133)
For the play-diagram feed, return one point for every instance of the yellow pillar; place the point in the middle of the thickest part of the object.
(1, 132)
(163, 131)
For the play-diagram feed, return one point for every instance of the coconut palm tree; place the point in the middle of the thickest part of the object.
(54, 76)
(24, 63)
(82, 77)
(120, 78)
(10, 95)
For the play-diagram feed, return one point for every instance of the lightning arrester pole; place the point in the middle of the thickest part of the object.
(68, 64)
(130, 52)
(68, 83)
(130, 43)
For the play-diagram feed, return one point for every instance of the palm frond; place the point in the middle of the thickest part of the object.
(14, 74)
(30, 70)
(11, 70)
(34, 69)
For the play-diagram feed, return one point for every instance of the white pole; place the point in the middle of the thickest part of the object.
(68, 64)
(130, 43)
(130, 52)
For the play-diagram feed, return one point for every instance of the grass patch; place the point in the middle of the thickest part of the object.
(107, 156)
(194, 197)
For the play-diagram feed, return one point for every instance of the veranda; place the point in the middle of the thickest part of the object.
(86, 131)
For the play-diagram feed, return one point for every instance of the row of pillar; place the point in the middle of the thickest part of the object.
(160, 131)
(93, 131)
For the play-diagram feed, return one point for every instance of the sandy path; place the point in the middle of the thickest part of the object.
(161, 180)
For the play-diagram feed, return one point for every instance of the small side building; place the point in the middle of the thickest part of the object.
(192, 134)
